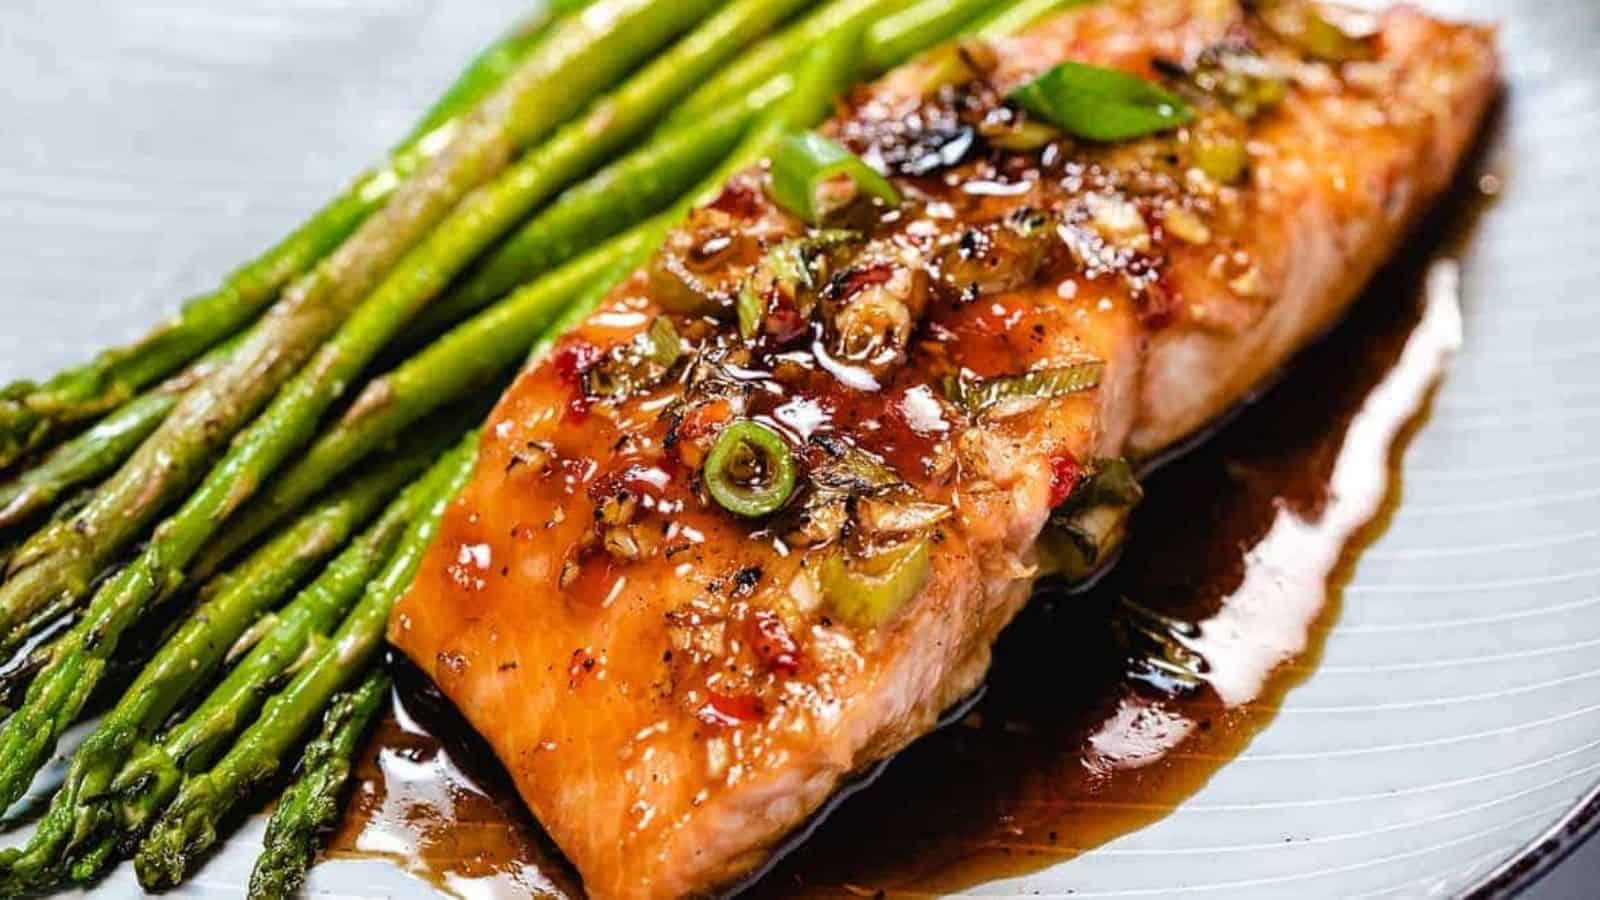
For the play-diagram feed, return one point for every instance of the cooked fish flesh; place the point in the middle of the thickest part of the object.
(758, 521)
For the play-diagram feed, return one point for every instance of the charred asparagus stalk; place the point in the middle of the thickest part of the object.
(79, 811)
(311, 805)
(100, 449)
(189, 826)
(149, 780)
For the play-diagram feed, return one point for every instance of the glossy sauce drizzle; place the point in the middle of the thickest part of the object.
(1102, 715)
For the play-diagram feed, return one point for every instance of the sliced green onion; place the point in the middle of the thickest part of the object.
(664, 345)
(1306, 27)
(1112, 483)
(869, 591)
(1244, 82)
(947, 66)
(1011, 394)
(681, 291)
(1223, 158)
(804, 164)
(792, 260)
(751, 471)
(752, 310)
(851, 472)
(1086, 528)
(1023, 137)
(878, 516)
(638, 365)
(1102, 104)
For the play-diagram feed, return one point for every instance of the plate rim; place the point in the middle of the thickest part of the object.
(1542, 855)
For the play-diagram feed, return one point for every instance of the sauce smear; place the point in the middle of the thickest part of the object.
(1104, 710)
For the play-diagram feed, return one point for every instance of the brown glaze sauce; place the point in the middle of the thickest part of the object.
(1089, 729)
(1080, 737)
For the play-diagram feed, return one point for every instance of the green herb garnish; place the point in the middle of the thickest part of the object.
(1102, 104)
(1010, 394)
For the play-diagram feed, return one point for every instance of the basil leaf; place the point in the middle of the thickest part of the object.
(802, 164)
(1101, 104)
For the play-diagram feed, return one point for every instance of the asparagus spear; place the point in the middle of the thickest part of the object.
(780, 54)
(804, 99)
(631, 188)
(898, 37)
(578, 59)
(189, 826)
(146, 784)
(492, 66)
(466, 357)
(1019, 15)
(102, 448)
(77, 811)
(892, 40)
(33, 415)
(311, 805)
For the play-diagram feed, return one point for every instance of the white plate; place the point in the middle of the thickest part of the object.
(1455, 717)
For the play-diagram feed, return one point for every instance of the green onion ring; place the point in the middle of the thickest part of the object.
(802, 163)
(769, 470)
(870, 592)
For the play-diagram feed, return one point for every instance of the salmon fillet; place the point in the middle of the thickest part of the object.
(675, 687)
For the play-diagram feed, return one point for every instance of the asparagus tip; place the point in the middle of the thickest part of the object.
(179, 837)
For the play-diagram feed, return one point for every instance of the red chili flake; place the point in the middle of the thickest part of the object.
(573, 358)
(728, 711)
(772, 643)
(1065, 473)
(785, 324)
(854, 281)
(703, 420)
(738, 199)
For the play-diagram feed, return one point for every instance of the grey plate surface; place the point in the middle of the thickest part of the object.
(1455, 718)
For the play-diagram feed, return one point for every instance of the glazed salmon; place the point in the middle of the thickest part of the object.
(757, 523)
